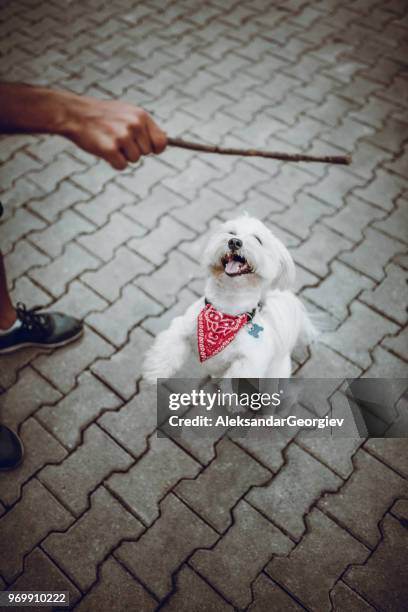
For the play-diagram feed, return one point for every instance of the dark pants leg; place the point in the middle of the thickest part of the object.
(7, 311)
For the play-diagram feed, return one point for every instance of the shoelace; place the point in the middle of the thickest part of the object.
(30, 320)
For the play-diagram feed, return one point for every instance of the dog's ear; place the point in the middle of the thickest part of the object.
(287, 276)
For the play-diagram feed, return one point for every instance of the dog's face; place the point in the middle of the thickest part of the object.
(246, 252)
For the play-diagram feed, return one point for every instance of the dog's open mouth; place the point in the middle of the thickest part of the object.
(235, 265)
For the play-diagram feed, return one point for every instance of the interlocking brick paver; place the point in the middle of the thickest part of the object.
(243, 177)
(79, 550)
(55, 276)
(335, 453)
(95, 177)
(265, 445)
(127, 312)
(144, 486)
(145, 176)
(134, 422)
(208, 495)
(268, 595)
(323, 246)
(365, 497)
(179, 532)
(188, 182)
(116, 591)
(53, 204)
(157, 203)
(353, 218)
(68, 362)
(256, 204)
(102, 205)
(16, 166)
(50, 147)
(309, 572)
(326, 363)
(285, 185)
(235, 561)
(10, 144)
(29, 393)
(21, 259)
(392, 451)
(74, 479)
(12, 363)
(391, 295)
(338, 290)
(18, 226)
(301, 215)
(70, 416)
(349, 132)
(53, 239)
(344, 598)
(105, 241)
(129, 359)
(335, 185)
(79, 301)
(166, 282)
(155, 324)
(365, 324)
(383, 190)
(385, 364)
(62, 167)
(193, 593)
(41, 574)
(291, 493)
(30, 525)
(199, 213)
(110, 278)
(40, 448)
(29, 293)
(161, 240)
(395, 225)
(398, 344)
(386, 566)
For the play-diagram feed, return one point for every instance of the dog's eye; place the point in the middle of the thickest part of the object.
(232, 233)
(258, 239)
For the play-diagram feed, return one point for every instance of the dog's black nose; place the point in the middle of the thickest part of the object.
(234, 244)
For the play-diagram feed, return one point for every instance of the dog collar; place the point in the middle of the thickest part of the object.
(215, 329)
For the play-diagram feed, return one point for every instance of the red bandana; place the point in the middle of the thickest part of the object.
(216, 330)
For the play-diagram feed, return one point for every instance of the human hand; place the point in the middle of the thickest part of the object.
(113, 130)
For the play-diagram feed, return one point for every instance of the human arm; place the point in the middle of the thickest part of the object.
(111, 129)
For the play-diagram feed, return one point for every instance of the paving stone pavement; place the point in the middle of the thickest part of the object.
(101, 507)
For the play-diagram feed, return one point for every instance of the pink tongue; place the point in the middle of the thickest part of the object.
(233, 267)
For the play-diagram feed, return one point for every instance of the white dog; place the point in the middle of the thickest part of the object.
(249, 320)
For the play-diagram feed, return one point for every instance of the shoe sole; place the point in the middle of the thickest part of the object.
(17, 465)
(13, 349)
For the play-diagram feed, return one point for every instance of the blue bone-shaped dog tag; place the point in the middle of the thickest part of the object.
(255, 330)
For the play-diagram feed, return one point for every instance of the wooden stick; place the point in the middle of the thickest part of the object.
(290, 157)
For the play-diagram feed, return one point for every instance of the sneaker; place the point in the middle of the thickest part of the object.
(42, 329)
(11, 449)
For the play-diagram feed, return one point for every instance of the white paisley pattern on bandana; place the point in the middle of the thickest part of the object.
(215, 330)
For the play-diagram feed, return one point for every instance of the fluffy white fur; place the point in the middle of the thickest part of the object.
(270, 282)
